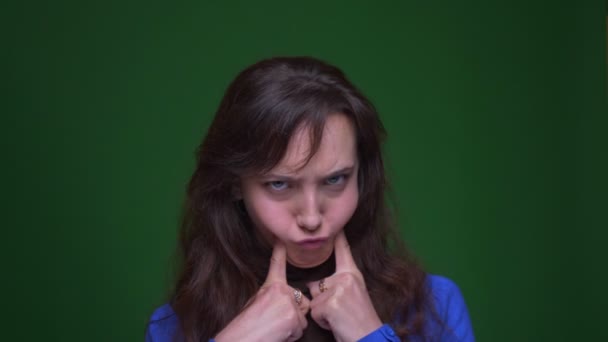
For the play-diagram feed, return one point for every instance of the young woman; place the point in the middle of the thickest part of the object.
(286, 235)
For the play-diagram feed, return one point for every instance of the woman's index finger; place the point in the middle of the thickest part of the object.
(278, 264)
(344, 258)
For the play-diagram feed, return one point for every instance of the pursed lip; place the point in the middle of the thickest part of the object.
(312, 243)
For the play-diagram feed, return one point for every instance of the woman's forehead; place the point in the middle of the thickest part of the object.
(337, 148)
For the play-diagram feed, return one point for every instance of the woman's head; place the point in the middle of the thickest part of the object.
(299, 145)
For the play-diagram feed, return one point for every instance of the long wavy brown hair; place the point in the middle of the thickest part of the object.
(221, 263)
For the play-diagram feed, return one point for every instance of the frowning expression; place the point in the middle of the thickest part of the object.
(306, 204)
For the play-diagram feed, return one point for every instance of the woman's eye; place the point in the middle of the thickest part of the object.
(277, 185)
(335, 180)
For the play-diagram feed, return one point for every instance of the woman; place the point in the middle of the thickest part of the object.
(285, 230)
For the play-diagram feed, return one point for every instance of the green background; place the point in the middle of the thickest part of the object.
(496, 113)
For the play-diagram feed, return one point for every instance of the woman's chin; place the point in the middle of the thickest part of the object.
(307, 259)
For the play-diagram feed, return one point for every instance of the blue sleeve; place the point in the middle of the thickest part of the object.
(455, 324)
(382, 334)
(450, 305)
(163, 325)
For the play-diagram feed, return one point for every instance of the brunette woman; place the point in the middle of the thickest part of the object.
(286, 235)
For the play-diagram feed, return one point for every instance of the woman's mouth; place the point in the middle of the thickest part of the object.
(311, 244)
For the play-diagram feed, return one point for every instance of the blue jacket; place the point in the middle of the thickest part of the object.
(449, 304)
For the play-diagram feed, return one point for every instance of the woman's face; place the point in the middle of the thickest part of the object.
(305, 206)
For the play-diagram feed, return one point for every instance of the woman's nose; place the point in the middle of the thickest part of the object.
(309, 216)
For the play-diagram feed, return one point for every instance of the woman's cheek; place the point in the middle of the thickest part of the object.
(343, 209)
(272, 220)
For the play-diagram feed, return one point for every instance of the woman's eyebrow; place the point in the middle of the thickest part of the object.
(347, 169)
(287, 177)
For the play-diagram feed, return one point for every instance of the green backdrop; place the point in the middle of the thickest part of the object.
(496, 113)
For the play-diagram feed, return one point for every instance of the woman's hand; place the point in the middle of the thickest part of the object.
(344, 306)
(273, 313)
